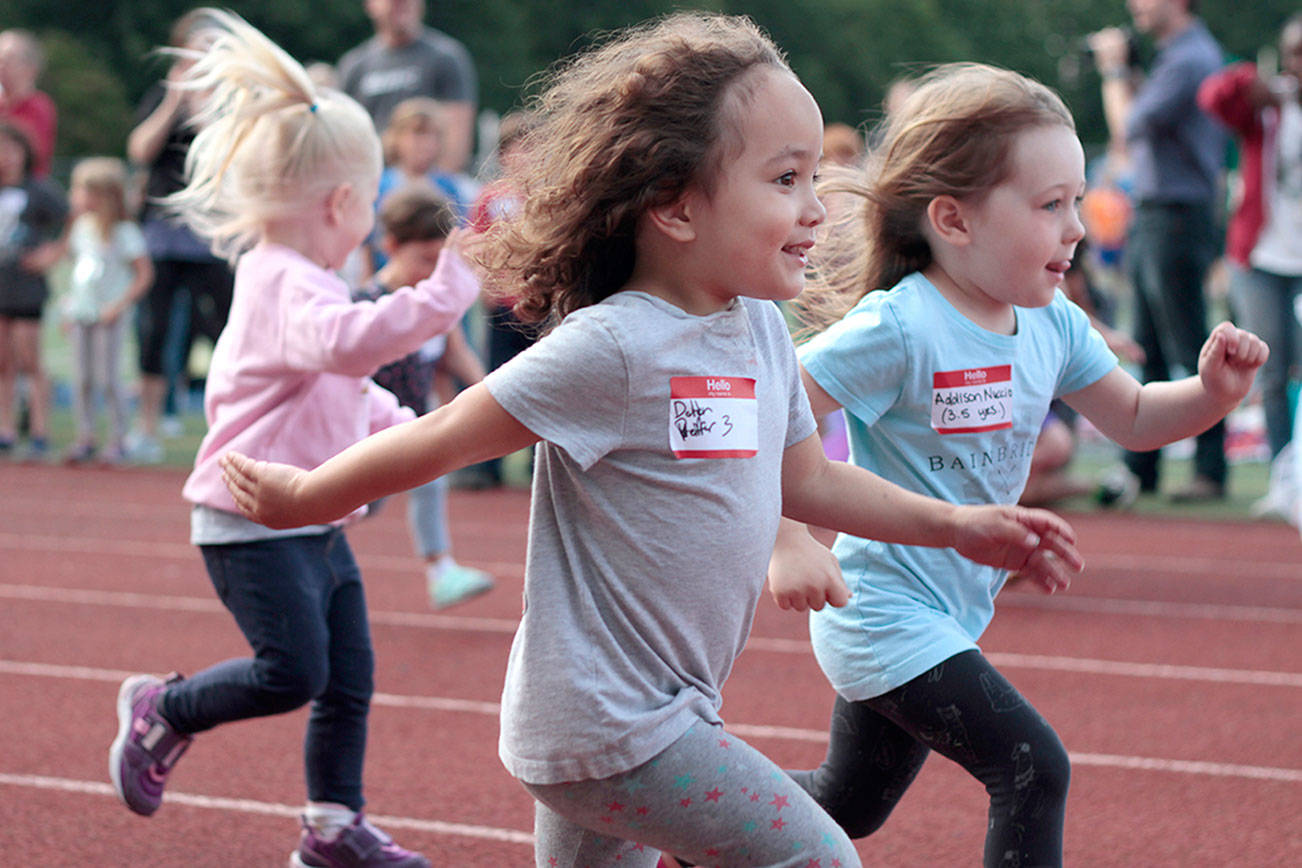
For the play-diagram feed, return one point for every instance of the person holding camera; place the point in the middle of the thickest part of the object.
(1176, 153)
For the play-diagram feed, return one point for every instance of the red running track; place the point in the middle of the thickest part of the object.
(1172, 670)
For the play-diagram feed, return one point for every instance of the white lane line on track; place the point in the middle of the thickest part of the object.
(506, 626)
(1139, 608)
(1152, 608)
(745, 730)
(1288, 569)
(249, 806)
(185, 552)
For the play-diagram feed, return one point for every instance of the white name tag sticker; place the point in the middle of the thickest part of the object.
(976, 399)
(713, 417)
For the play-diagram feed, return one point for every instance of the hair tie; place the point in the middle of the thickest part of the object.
(312, 108)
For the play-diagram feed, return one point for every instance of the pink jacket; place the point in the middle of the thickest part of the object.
(1224, 96)
(290, 375)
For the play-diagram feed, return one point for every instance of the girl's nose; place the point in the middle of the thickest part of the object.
(814, 212)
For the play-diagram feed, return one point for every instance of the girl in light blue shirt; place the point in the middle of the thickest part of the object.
(967, 221)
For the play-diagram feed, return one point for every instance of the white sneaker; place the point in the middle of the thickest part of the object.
(454, 583)
(145, 450)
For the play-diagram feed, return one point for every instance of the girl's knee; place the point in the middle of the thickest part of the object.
(291, 684)
(1053, 766)
(1042, 770)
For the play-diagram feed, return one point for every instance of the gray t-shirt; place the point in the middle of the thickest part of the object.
(656, 499)
(433, 65)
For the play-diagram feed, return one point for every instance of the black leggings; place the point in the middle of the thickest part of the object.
(965, 710)
(210, 285)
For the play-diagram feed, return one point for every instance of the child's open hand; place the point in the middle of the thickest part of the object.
(1229, 360)
(1035, 543)
(803, 573)
(267, 492)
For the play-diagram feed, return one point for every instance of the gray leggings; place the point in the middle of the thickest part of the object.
(709, 798)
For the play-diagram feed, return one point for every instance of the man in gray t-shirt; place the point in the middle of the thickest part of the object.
(405, 59)
(657, 493)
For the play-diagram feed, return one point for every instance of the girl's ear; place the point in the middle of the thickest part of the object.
(674, 219)
(947, 221)
(337, 200)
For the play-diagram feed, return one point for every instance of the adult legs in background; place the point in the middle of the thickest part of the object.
(963, 709)
(709, 798)
(153, 317)
(210, 286)
(1263, 303)
(1170, 251)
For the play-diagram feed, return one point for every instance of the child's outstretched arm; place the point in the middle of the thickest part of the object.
(471, 428)
(832, 494)
(843, 497)
(1148, 416)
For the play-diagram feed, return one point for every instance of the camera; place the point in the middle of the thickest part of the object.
(1086, 53)
(1076, 57)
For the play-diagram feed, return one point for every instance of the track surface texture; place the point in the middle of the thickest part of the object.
(1172, 669)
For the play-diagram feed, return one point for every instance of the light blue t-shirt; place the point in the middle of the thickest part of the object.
(943, 407)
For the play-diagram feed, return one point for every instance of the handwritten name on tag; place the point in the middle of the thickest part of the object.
(713, 417)
(976, 399)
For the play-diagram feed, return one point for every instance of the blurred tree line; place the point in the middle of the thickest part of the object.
(847, 52)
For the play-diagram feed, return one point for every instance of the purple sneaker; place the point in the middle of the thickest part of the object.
(146, 747)
(359, 845)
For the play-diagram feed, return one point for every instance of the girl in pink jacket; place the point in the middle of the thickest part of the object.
(283, 177)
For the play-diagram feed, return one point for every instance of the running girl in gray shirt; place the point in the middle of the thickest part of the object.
(670, 203)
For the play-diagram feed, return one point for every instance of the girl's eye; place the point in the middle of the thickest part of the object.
(1054, 205)
(787, 179)
(1078, 203)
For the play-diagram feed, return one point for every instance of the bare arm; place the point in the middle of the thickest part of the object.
(142, 275)
(1110, 50)
(472, 428)
(843, 497)
(1146, 417)
(146, 141)
(459, 359)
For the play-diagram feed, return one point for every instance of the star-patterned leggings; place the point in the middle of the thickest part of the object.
(709, 798)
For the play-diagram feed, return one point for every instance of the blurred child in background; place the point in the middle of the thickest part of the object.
(111, 271)
(507, 336)
(415, 221)
(32, 217)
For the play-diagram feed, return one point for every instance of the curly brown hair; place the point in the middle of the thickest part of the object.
(625, 126)
(951, 137)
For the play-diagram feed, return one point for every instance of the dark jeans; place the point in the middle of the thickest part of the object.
(1170, 249)
(965, 710)
(299, 602)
